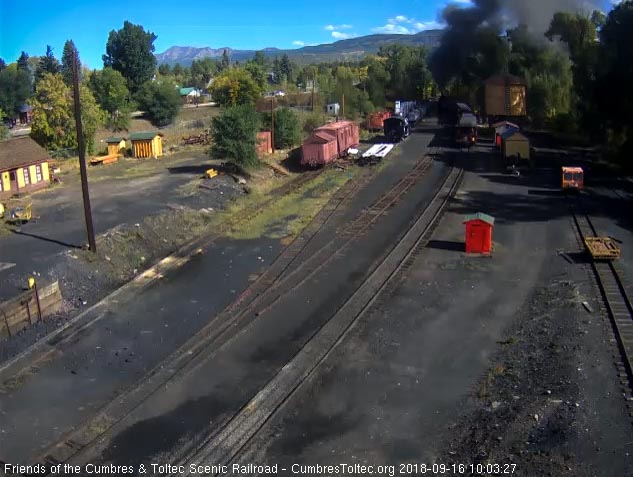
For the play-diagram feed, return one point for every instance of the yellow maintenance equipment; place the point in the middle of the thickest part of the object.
(31, 282)
(210, 173)
(1, 210)
(21, 214)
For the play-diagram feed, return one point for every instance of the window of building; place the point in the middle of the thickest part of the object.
(27, 179)
(1, 189)
(38, 173)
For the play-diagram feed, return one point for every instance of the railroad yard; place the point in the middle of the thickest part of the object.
(369, 339)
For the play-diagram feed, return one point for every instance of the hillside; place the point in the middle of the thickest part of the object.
(351, 49)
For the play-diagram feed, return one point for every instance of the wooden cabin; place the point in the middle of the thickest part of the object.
(23, 166)
(116, 145)
(147, 144)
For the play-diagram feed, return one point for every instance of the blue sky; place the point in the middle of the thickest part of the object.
(248, 24)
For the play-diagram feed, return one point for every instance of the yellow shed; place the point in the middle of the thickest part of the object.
(116, 145)
(515, 145)
(147, 144)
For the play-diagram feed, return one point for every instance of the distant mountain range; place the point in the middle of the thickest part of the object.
(351, 49)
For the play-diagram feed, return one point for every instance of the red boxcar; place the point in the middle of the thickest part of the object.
(330, 142)
(376, 120)
(319, 149)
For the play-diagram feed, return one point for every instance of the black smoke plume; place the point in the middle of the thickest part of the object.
(469, 30)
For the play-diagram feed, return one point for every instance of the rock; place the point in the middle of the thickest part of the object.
(536, 417)
(495, 405)
(108, 259)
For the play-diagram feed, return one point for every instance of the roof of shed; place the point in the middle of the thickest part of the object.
(514, 135)
(21, 151)
(144, 136)
(114, 139)
(505, 80)
(186, 91)
(480, 216)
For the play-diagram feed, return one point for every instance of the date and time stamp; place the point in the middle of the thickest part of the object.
(406, 469)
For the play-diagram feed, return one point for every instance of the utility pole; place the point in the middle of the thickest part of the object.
(343, 107)
(82, 157)
(313, 86)
(272, 120)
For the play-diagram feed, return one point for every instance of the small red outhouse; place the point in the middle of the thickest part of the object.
(479, 233)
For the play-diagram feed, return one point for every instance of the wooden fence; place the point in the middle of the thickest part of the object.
(22, 311)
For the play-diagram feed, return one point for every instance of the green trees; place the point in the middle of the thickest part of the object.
(160, 100)
(235, 135)
(53, 125)
(164, 69)
(235, 86)
(15, 89)
(4, 132)
(47, 64)
(67, 62)
(201, 72)
(131, 52)
(287, 128)
(225, 62)
(614, 98)
(23, 62)
(110, 91)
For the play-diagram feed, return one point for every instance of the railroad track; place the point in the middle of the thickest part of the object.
(279, 280)
(224, 446)
(610, 280)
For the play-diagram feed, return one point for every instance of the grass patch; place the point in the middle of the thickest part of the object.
(4, 229)
(289, 215)
(484, 389)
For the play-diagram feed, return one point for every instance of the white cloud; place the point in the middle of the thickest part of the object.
(462, 2)
(298, 43)
(403, 25)
(344, 26)
(341, 36)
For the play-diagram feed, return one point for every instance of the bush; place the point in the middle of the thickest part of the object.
(235, 135)
(312, 121)
(563, 123)
(287, 128)
(160, 100)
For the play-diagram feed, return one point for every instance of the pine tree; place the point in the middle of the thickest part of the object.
(23, 62)
(48, 64)
(3, 65)
(225, 62)
(67, 62)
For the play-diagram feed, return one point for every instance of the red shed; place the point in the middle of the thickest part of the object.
(264, 143)
(346, 133)
(319, 149)
(479, 233)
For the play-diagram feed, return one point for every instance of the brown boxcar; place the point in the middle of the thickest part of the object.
(319, 149)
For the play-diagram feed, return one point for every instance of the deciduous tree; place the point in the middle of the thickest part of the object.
(235, 86)
(53, 125)
(15, 89)
(131, 52)
(110, 91)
